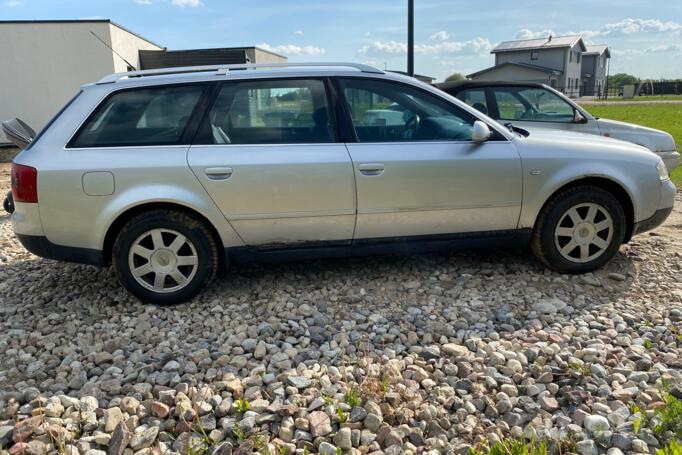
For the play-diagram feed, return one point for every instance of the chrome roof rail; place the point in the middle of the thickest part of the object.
(222, 70)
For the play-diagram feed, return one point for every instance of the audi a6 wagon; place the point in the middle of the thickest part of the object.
(171, 174)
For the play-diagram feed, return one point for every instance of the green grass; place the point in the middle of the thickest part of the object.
(666, 117)
(646, 98)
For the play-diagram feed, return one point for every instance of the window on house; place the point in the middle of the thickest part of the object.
(577, 56)
(570, 56)
(533, 55)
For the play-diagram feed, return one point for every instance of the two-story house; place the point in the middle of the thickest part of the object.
(595, 69)
(555, 61)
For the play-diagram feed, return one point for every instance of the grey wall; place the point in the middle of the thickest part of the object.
(547, 58)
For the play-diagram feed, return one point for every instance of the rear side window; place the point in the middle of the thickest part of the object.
(268, 112)
(475, 98)
(150, 116)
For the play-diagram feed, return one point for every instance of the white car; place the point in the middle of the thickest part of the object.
(532, 105)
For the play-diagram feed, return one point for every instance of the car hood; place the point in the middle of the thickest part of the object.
(587, 144)
(654, 140)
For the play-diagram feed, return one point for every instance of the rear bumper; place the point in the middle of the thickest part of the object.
(41, 246)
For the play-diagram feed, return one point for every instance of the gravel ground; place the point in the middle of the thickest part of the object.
(430, 353)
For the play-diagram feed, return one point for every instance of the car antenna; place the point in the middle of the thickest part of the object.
(130, 65)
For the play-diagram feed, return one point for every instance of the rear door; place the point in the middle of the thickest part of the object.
(267, 154)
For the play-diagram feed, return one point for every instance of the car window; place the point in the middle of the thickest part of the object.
(532, 105)
(150, 116)
(268, 112)
(392, 112)
(475, 98)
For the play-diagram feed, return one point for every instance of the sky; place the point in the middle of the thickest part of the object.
(450, 35)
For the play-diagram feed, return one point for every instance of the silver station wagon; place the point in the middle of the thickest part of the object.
(172, 174)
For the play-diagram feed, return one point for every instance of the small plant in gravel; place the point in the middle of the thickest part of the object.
(341, 415)
(513, 447)
(668, 417)
(242, 405)
(640, 418)
(239, 433)
(673, 448)
(647, 343)
(352, 398)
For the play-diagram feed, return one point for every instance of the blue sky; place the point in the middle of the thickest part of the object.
(453, 35)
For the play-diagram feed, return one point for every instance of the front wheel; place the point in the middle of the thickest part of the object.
(165, 257)
(579, 230)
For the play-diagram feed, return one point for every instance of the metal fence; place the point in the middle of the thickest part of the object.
(616, 90)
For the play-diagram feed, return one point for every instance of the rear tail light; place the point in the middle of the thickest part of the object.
(24, 183)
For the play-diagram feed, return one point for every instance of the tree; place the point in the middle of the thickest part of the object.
(455, 77)
(621, 79)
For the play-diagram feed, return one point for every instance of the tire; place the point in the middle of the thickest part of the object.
(579, 230)
(165, 257)
(8, 203)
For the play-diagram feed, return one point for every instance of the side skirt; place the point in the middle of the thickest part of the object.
(378, 246)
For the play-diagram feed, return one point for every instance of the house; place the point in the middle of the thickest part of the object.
(555, 61)
(45, 62)
(594, 70)
(427, 79)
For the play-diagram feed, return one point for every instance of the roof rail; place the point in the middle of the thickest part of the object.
(221, 70)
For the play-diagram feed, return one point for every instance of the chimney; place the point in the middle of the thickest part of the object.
(549, 38)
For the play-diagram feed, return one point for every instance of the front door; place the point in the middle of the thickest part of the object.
(267, 155)
(417, 171)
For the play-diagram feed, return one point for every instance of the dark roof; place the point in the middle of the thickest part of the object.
(457, 86)
(539, 43)
(522, 65)
(597, 49)
(150, 60)
(417, 76)
(81, 21)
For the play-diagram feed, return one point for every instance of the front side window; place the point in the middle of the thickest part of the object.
(390, 112)
(532, 104)
(475, 98)
(150, 116)
(268, 112)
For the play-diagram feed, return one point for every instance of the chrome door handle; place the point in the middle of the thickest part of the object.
(218, 173)
(371, 168)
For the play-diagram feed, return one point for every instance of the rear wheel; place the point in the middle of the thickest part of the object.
(165, 257)
(579, 230)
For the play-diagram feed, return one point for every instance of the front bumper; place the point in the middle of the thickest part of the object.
(671, 159)
(665, 207)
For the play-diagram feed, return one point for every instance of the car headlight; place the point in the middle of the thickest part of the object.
(662, 171)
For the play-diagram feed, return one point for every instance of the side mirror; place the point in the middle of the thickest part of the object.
(578, 117)
(480, 132)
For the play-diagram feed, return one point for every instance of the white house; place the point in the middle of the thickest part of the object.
(45, 62)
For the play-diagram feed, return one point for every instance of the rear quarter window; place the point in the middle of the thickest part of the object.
(147, 116)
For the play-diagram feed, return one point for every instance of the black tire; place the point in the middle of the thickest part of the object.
(8, 203)
(170, 221)
(544, 243)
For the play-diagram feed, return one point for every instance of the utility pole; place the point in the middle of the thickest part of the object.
(410, 37)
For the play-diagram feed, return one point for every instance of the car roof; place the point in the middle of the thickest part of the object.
(236, 72)
(458, 86)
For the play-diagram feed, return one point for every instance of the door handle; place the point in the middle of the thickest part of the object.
(371, 169)
(218, 173)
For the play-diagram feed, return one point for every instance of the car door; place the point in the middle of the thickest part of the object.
(423, 175)
(267, 154)
(536, 107)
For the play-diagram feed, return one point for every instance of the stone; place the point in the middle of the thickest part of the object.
(456, 350)
(143, 439)
(112, 417)
(372, 422)
(595, 423)
(320, 424)
(119, 440)
(342, 438)
(160, 410)
(587, 447)
(300, 382)
(326, 449)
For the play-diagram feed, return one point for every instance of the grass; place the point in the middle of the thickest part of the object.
(646, 98)
(666, 117)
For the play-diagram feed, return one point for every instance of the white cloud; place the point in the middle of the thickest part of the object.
(524, 33)
(476, 46)
(13, 3)
(189, 3)
(368, 33)
(293, 50)
(298, 32)
(440, 36)
(143, 2)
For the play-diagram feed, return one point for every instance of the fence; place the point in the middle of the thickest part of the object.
(603, 91)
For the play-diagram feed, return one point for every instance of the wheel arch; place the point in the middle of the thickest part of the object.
(613, 187)
(120, 221)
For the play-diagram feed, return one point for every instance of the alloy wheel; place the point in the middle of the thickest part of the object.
(584, 232)
(163, 260)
